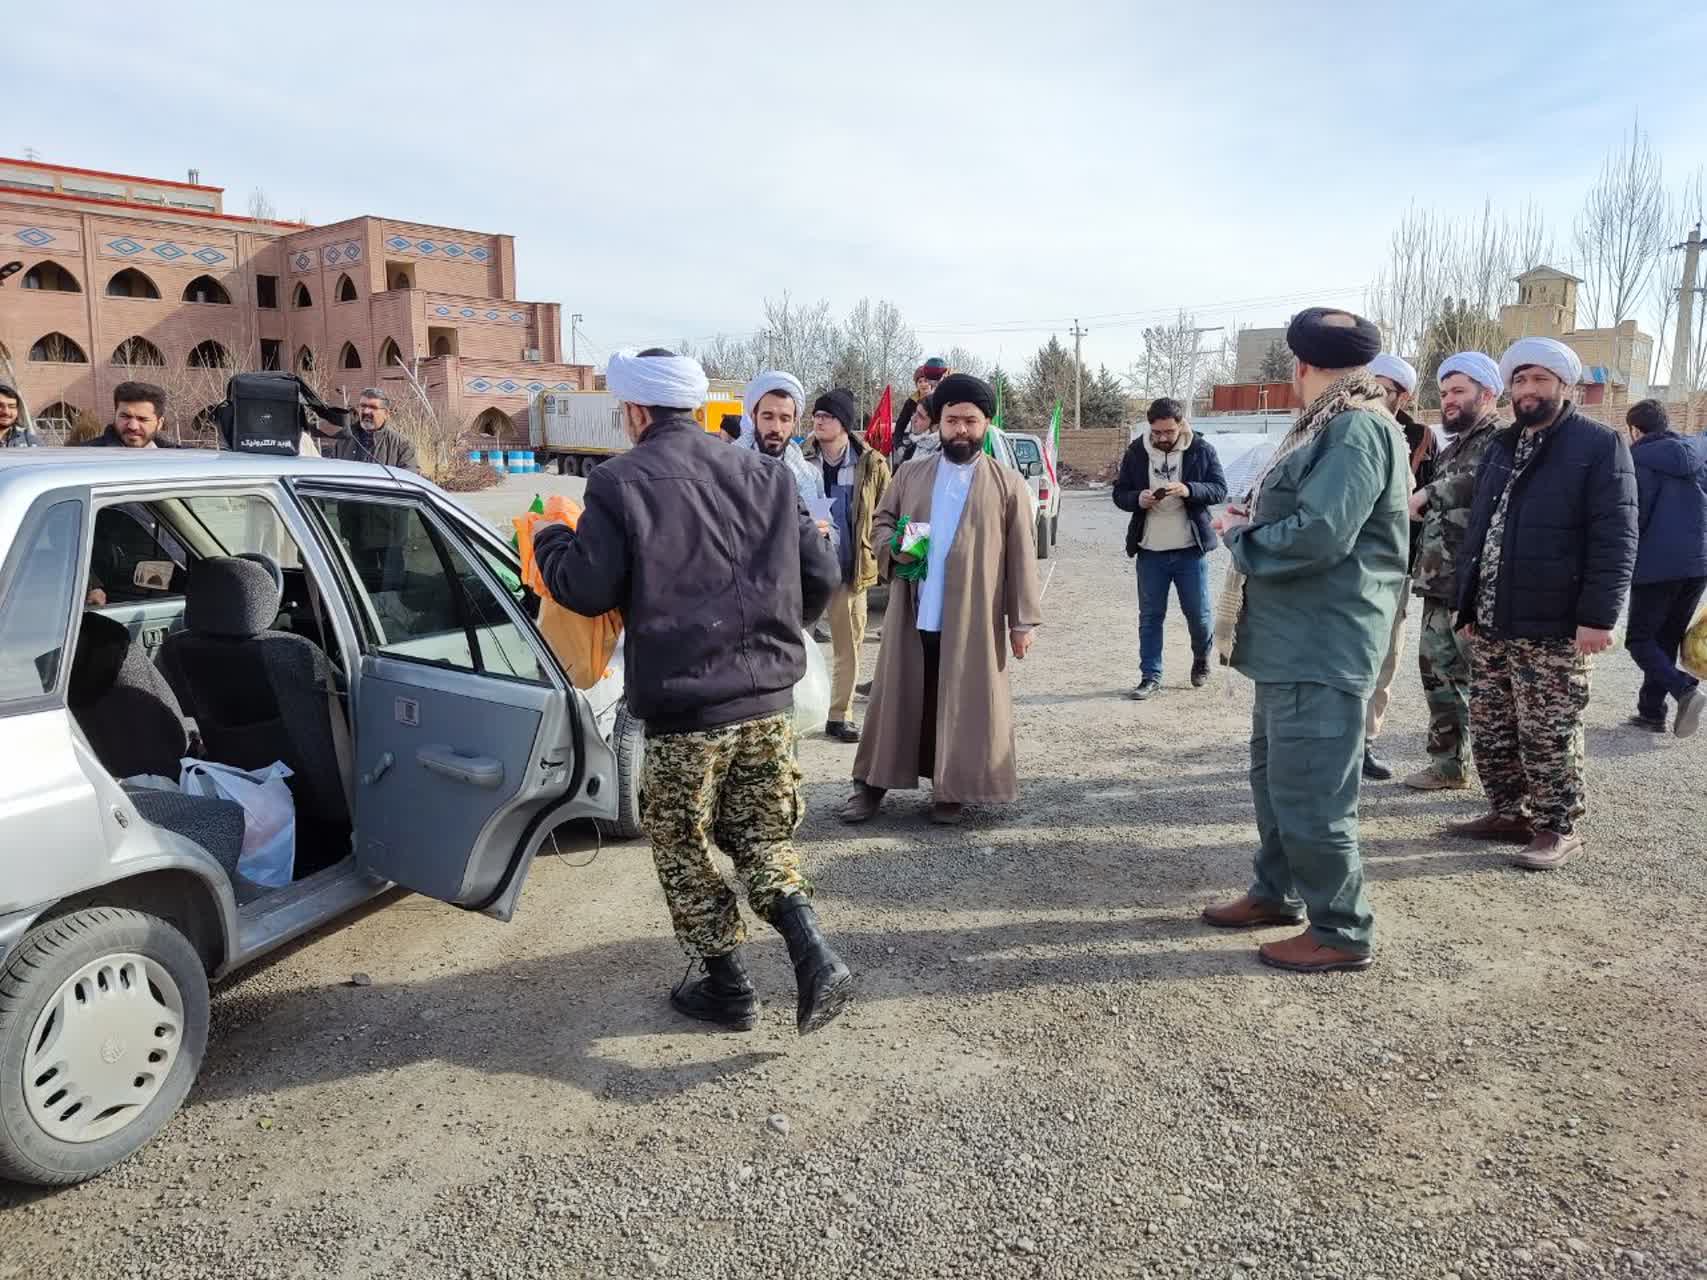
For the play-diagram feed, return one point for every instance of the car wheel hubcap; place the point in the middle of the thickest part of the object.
(103, 1047)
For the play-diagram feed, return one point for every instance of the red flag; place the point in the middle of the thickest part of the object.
(879, 432)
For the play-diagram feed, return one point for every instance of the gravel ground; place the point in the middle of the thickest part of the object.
(1053, 1072)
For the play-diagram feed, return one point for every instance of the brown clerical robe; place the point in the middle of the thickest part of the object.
(991, 587)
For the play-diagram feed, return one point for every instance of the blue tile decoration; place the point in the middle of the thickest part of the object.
(441, 311)
(35, 237)
(516, 317)
(167, 250)
(333, 254)
(491, 315)
(563, 386)
(507, 386)
(479, 384)
(438, 248)
(301, 261)
(536, 386)
(124, 245)
(208, 255)
(467, 313)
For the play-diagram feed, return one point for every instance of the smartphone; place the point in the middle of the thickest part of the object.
(1159, 493)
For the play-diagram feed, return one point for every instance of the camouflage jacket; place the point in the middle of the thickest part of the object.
(1447, 514)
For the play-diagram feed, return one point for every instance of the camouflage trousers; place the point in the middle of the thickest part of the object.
(739, 786)
(1444, 660)
(1527, 714)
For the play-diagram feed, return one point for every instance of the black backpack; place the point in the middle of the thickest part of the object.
(268, 412)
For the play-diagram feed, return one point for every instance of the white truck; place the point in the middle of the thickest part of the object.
(580, 429)
(575, 429)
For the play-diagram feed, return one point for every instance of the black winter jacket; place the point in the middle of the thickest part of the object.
(1570, 531)
(715, 565)
(1671, 493)
(1200, 472)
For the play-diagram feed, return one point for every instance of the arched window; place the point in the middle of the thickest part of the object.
(390, 354)
(441, 346)
(349, 357)
(300, 296)
(56, 348)
(209, 355)
(206, 289)
(50, 277)
(305, 361)
(131, 283)
(346, 289)
(61, 421)
(495, 424)
(138, 351)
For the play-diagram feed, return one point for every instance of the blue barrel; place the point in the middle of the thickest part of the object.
(518, 462)
(474, 455)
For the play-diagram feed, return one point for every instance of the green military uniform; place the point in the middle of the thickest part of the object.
(1325, 560)
(1443, 657)
(740, 786)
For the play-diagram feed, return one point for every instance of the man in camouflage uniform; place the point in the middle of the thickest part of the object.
(1470, 386)
(716, 566)
(1546, 566)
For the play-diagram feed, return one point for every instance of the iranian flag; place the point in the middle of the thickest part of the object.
(879, 432)
(996, 422)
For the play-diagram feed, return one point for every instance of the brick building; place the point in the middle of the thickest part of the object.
(140, 277)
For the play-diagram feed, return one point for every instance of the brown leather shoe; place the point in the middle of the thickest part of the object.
(1432, 779)
(863, 804)
(1246, 912)
(1548, 851)
(1493, 826)
(947, 815)
(1302, 953)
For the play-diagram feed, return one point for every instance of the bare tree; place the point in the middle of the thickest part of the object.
(800, 339)
(1622, 230)
(963, 361)
(725, 356)
(261, 206)
(1408, 289)
(1170, 362)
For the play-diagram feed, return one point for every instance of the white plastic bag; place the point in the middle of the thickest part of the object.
(269, 814)
(812, 694)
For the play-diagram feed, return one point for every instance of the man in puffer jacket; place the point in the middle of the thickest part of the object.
(1671, 564)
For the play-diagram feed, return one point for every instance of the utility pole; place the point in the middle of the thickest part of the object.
(575, 319)
(1683, 342)
(1078, 375)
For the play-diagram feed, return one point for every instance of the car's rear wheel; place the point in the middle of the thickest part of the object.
(628, 739)
(103, 1024)
(1044, 547)
(1054, 529)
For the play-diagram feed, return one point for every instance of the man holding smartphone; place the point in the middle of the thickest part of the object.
(1169, 480)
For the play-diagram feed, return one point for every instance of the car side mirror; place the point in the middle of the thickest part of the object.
(1032, 469)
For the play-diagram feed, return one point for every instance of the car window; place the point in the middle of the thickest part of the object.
(1025, 450)
(246, 524)
(36, 612)
(427, 602)
(134, 556)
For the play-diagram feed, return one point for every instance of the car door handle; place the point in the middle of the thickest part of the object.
(478, 771)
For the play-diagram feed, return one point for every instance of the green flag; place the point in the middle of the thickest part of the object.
(996, 422)
(1052, 455)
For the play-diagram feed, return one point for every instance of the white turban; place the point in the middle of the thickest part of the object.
(1475, 366)
(669, 382)
(1400, 371)
(1552, 355)
(767, 382)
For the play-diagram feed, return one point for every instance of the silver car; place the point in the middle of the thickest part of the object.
(349, 621)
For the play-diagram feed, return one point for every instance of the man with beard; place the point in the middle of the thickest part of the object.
(909, 434)
(1470, 386)
(1551, 547)
(1398, 381)
(940, 706)
(773, 404)
(1319, 553)
(712, 610)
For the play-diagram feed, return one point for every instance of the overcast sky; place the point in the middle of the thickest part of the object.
(995, 169)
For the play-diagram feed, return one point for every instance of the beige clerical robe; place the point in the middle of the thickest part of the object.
(991, 587)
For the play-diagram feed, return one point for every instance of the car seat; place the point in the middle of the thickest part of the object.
(258, 695)
(133, 723)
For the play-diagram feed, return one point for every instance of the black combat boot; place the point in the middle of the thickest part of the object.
(724, 996)
(825, 984)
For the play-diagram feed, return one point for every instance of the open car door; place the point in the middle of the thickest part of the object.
(468, 744)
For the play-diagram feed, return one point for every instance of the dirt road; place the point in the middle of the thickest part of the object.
(1054, 1071)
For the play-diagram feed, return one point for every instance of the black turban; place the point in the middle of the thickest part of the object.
(1332, 346)
(962, 388)
(839, 404)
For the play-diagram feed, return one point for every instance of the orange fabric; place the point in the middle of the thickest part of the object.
(585, 646)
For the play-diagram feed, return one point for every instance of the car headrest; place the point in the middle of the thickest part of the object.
(102, 646)
(230, 598)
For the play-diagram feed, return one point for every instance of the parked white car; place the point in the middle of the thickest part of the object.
(1028, 449)
(350, 621)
